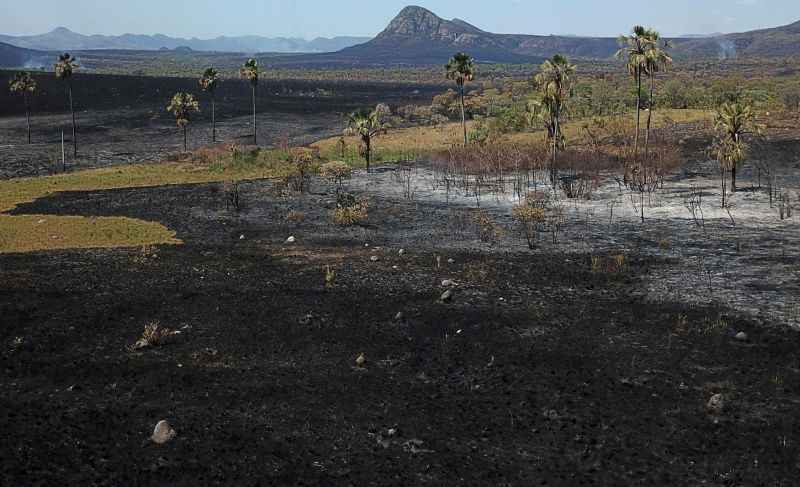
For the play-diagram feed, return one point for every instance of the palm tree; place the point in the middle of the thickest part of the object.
(733, 121)
(208, 83)
(250, 73)
(365, 124)
(554, 82)
(24, 84)
(656, 60)
(182, 106)
(633, 50)
(65, 66)
(461, 69)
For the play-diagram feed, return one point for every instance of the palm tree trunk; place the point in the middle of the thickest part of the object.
(367, 150)
(649, 116)
(553, 164)
(28, 116)
(463, 114)
(255, 128)
(638, 113)
(185, 142)
(74, 129)
(213, 119)
(733, 179)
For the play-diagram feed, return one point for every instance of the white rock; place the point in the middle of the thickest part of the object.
(447, 296)
(291, 240)
(374, 258)
(401, 252)
(451, 261)
(448, 283)
(399, 316)
(742, 336)
(716, 404)
(163, 433)
(241, 237)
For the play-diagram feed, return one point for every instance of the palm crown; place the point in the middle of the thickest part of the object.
(634, 49)
(461, 68)
(22, 83)
(656, 58)
(65, 66)
(182, 106)
(365, 123)
(250, 71)
(209, 80)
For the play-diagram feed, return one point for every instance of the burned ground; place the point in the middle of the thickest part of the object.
(539, 371)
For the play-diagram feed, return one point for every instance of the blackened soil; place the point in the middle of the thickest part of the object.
(538, 372)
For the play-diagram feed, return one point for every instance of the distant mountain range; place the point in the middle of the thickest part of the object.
(416, 36)
(63, 39)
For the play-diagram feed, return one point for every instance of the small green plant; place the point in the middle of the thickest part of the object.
(330, 277)
(531, 221)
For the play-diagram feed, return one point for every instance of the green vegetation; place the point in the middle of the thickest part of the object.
(734, 121)
(208, 83)
(366, 125)
(249, 71)
(461, 69)
(24, 84)
(65, 67)
(182, 106)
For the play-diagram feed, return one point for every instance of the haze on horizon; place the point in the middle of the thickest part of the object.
(313, 18)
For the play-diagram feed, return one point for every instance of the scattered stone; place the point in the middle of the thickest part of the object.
(391, 432)
(451, 261)
(742, 336)
(401, 252)
(306, 320)
(716, 404)
(399, 316)
(291, 240)
(448, 283)
(374, 258)
(241, 237)
(163, 433)
(396, 267)
(361, 360)
(447, 296)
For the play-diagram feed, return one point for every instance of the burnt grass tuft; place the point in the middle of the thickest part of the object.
(540, 371)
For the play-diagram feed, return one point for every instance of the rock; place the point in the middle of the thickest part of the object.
(163, 433)
(451, 261)
(716, 404)
(448, 283)
(291, 240)
(361, 360)
(742, 336)
(241, 237)
(399, 316)
(401, 252)
(374, 258)
(447, 296)
(306, 320)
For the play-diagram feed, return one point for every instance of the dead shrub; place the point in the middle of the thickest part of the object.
(488, 231)
(233, 196)
(337, 172)
(295, 216)
(350, 210)
(154, 335)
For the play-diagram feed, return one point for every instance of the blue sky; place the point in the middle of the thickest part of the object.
(311, 18)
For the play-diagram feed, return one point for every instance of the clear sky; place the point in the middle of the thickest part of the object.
(311, 18)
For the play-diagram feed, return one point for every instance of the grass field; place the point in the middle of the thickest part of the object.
(407, 143)
(27, 233)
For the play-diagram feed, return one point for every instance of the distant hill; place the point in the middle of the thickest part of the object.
(17, 57)
(774, 42)
(63, 39)
(418, 36)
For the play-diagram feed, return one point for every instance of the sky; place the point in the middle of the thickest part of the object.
(312, 18)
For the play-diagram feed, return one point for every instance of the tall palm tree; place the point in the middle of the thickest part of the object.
(208, 83)
(250, 73)
(733, 121)
(65, 66)
(656, 60)
(461, 69)
(633, 50)
(182, 106)
(554, 83)
(366, 124)
(24, 84)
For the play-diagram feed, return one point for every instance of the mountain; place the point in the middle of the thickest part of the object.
(418, 36)
(17, 57)
(63, 39)
(774, 42)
